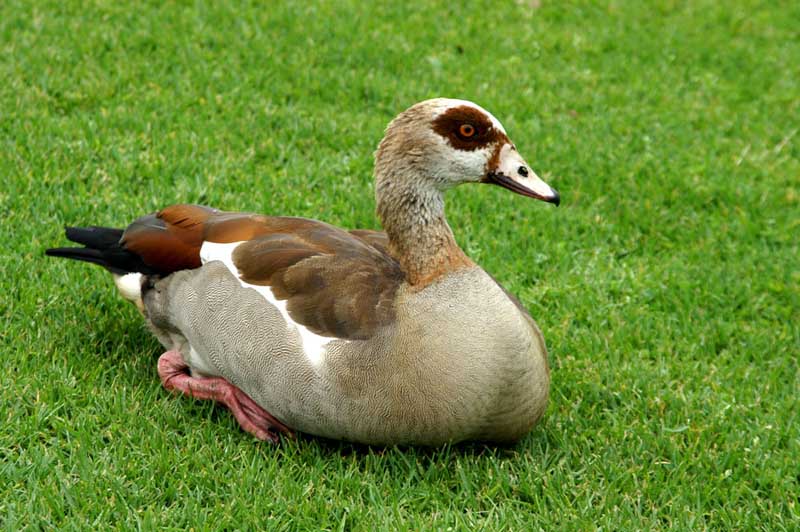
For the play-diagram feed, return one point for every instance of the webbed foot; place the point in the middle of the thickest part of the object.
(253, 418)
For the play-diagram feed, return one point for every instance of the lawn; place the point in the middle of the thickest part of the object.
(667, 284)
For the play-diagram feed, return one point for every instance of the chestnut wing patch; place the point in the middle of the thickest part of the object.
(334, 282)
(170, 240)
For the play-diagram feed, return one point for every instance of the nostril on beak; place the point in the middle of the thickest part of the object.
(523, 171)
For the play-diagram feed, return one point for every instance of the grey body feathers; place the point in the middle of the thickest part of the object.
(461, 361)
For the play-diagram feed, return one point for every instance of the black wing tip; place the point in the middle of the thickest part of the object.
(94, 236)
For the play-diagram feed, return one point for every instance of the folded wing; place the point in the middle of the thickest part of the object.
(336, 283)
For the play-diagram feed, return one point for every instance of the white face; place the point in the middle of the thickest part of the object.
(468, 145)
(454, 159)
(451, 167)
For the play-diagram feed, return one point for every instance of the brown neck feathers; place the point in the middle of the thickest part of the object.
(419, 236)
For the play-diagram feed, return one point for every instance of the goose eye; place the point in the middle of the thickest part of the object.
(467, 131)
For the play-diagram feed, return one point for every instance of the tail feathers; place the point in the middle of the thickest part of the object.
(85, 254)
(94, 237)
(102, 247)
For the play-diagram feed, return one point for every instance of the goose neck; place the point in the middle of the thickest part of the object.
(419, 235)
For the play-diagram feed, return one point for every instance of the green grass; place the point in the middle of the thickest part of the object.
(666, 284)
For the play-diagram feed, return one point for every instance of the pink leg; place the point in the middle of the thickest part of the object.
(175, 376)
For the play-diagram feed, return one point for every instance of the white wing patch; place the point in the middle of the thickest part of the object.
(313, 344)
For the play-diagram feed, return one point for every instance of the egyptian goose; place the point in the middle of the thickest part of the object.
(379, 338)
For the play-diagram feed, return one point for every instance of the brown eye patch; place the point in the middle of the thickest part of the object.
(467, 128)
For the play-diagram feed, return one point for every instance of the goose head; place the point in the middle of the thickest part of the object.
(440, 143)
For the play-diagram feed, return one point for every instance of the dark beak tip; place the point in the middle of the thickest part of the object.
(502, 180)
